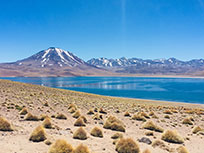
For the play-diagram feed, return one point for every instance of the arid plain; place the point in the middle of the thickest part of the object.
(36, 119)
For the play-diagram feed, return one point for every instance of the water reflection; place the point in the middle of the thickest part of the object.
(171, 89)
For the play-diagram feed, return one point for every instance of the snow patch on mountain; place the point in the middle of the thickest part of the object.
(52, 57)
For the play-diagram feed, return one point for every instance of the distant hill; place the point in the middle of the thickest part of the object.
(50, 62)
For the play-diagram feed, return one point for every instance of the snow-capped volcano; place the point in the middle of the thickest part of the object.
(50, 62)
(52, 57)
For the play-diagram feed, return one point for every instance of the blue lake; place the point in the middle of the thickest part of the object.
(169, 89)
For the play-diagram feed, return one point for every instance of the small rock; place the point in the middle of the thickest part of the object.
(145, 140)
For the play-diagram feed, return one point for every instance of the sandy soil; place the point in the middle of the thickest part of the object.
(13, 96)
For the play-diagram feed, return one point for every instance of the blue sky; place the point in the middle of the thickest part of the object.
(103, 28)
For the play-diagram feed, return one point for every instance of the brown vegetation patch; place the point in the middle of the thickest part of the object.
(127, 146)
(81, 149)
(151, 126)
(172, 136)
(38, 134)
(80, 134)
(61, 116)
(5, 125)
(97, 132)
(61, 146)
(114, 124)
(31, 117)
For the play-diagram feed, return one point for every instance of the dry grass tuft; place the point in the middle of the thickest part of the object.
(102, 111)
(149, 133)
(127, 114)
(114, 124)
(187, 121)
(138, 117)
(47, 123)
(196, 129)
(161, 145)
(81, 149)
(72, 106)
(84, 119)
(76, 114)
(79, 122)
(127, 146)
(167, 112)
(158, 143)
(80, 134)
(24, 111)
(47, 142)
(143, 114)
(97, 132)
(151, 126)
(146, 151)
(172, 136)
(61, 146)
(117, 136)
(167, 116)
(38, 134)
(61, 116)
(182, 149)
(90, 112)
(97, 116)
(5, 125)
(72, 110)
(155, 116)
(43, 116)
(31, 117)
(45, 104)
(151, 114)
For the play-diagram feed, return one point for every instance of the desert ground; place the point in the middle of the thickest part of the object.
(37, 119)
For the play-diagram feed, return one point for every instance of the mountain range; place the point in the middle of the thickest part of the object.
(57, 62)
(171, 66)
(51, 62)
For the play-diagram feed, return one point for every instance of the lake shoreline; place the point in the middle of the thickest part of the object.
(182, 90)
(150, 101)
